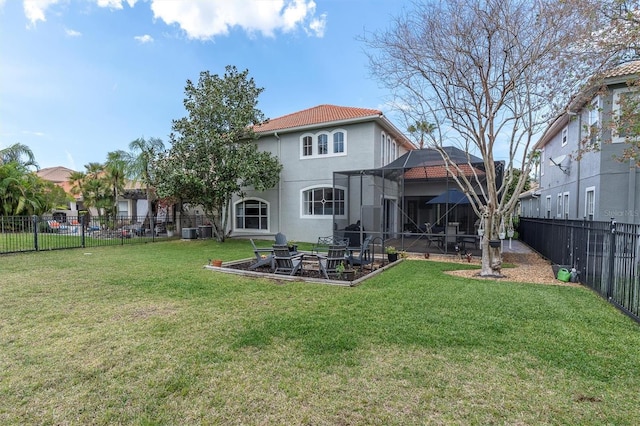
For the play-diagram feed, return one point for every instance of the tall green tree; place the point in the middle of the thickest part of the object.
(22, 192)
(93, 188)
(213, 151)
(115, 172)
(419, 130)
(20, 154)
(142, 153)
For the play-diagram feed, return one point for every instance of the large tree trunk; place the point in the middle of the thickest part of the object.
(491, 264)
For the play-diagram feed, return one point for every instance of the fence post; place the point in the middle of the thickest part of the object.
(35, 231)
(83, 227)
(612, 258)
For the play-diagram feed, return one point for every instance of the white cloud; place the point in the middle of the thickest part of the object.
(204, 19)
(115, 4)
(72, 33)
(34, 9)
(144, 39)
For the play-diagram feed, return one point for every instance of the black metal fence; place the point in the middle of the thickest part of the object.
(24, 234)
(606, 255)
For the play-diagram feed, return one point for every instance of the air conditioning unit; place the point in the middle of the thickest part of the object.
(189, 233)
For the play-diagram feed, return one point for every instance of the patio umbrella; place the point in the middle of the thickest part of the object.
(451, 196)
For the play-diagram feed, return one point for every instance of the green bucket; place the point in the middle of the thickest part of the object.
(564, 274)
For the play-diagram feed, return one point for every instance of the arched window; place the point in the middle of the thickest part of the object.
(338, 142)
(252, 214)
(323, 144)
(323, 201)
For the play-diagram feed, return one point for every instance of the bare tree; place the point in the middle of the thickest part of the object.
(490, 74)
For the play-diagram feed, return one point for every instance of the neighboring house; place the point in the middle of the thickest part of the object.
(311, 145)
(594, 185)
(131, 203)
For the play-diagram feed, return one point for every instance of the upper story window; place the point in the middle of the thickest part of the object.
(565, 136)
(338, 142)
(625, 115)
(307, 146)
(323, 144)
(388, 149)
(594, 120)
(252, 214)
(323, 201)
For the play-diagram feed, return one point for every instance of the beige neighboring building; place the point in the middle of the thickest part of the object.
(132, 203)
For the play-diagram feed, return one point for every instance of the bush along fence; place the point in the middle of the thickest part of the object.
(25, 234)
(606, 255)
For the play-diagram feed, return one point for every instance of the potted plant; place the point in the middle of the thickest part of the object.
(344, 272)
(392, 253)
(170, 228)
(293, 246)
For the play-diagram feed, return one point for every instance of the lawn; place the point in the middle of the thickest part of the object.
(142, 334)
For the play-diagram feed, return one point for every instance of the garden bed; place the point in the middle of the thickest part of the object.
(309, 273)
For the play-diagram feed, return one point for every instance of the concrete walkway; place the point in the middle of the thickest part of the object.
(517, 246)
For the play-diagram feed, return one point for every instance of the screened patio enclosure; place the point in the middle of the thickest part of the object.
(397, 204)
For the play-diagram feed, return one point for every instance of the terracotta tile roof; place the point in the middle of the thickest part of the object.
(56, 174)
(316, 115)
(627, 68)
(439, 172)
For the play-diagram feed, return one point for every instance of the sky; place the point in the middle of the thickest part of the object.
(81, 78)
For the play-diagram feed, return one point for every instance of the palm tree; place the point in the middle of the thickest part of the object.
(421, 128)
(140, 164)
(92, 186)
(17, 153)
(115, 170)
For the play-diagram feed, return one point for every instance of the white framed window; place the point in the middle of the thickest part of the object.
(565, 136)
(388, 149)
(123, 209)
(625, 115)
(565, 205)
(323, 144)
(548, 207)
(252, 213)
(307, 146)
(338, 142)
(323, 201)
(594, 120)
(590, 202)
(559, 208)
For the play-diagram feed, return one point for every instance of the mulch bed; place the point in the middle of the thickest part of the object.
(310, 271)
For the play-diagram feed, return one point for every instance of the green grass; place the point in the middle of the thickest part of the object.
(142, 334)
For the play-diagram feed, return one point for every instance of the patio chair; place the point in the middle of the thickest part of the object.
(285, 262)
(281, 239)
(264, 257)
(335, 257)
(432, 237)
(364, 256)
